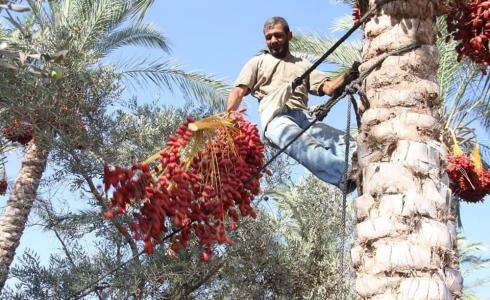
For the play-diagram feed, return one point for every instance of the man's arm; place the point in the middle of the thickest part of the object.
(328, 87)
(236, 96)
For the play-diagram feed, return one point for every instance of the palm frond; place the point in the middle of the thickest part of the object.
(343, 23)
(347, 2)
(11, 6)
(37, 13)
(61, 12)
(135, 35)
(463, 88)
(448, 65)
(99, 17)
(470, 265)
(4, 148)
(481, 113)
(141, 7)
(313, 45)
(193, 85)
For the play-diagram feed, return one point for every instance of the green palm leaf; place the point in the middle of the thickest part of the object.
(343, 23)
(136, 35)
(470, 264)
(448, 65)
(141, 6)
(482, 106)
(313, 45)
(98, 18)
(193, 85)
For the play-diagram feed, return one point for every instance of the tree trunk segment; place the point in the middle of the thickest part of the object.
(406, 242)
(16, 212)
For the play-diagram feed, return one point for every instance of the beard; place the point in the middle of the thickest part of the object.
(280, 51)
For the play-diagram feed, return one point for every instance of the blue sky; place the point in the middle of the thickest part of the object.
(218, 37)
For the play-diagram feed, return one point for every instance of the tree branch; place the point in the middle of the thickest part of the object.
(131, 242)
(188, 288)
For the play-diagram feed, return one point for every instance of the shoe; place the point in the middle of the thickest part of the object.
(352, 173)
(351, 186)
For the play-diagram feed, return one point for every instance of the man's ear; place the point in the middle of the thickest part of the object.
(290, 36)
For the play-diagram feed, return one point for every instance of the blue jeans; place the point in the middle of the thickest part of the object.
(321, 149)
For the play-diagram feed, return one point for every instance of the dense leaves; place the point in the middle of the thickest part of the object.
(287, 252)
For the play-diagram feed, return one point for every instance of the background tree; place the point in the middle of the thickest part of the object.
(287, 252)
(131, 134)
(270, 256)
(471, 263)
(62, 89)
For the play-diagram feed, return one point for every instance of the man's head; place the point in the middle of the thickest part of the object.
(277, 36)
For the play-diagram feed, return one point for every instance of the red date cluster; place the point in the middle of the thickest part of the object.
(3, 186)
(356, 12)
(468, 22)
(18, 131)
(470, 181)
(193, 191)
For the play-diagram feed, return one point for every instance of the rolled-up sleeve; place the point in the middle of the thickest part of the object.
(317, 78)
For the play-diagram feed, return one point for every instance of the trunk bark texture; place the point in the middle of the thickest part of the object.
(406, 243)
(19, 205)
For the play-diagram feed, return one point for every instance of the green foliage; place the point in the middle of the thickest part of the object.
(142, 6)
(464, 91)
(289, 252)
(193, 85)
(55, 55)
(293, 248)
(343, 23)
(55, 79)
(313, 45)
(471, 264)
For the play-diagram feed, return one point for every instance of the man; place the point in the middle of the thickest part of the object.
(284, 113)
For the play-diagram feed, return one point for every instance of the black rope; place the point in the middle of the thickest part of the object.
(356, 110)
(354, 87)
(298, 81)
(345, 191)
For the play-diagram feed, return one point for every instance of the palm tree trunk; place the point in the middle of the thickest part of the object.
(406, 243)
(19, 205)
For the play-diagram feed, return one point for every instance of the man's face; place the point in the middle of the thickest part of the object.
(277, 40)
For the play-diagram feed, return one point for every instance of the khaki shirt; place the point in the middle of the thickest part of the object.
(269, 80)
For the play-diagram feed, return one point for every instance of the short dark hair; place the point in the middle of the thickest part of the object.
(277, 20)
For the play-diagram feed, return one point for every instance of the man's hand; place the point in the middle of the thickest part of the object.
(336, 86)
(353, 73)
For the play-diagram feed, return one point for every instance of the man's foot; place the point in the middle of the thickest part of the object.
(351, 186)
(352, 175)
